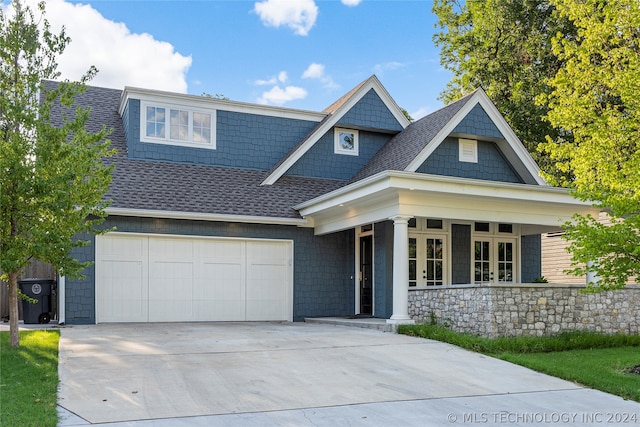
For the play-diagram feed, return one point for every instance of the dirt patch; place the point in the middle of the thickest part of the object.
(634, 370)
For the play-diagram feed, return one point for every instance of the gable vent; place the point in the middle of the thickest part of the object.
(468, 150)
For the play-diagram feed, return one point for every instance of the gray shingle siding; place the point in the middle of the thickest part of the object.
(460, 254)
(477, 122)
(531, 259)
(370, 112)
(323, 265)
(491, 164)
(383, 269)
(321, 161)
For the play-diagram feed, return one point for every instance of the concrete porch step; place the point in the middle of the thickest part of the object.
(359, 322)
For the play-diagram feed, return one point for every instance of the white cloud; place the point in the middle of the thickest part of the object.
(316, 71)
(299, 15)
(351, 3)
(122, 58)
(271, 81)
(282, 77)
(380, 69)
(279, 96)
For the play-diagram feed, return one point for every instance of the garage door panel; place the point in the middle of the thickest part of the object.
(170, 291)
(121, 266)
(268, 281)
(123, 297)
(220, 292)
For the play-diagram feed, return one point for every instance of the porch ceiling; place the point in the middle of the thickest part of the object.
(390, 193)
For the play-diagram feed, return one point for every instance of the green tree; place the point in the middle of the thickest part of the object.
(503, 46)
(52, 178)
(595, 100)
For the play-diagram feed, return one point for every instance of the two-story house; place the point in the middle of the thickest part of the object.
(229, 211)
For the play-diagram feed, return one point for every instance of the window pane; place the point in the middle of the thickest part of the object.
(478, 251)
(478, 272)
(430, 249)
(179, 125)
(434, 223)
(438, 274)
(438, 249)
(412, 248)
(505, 228)
(201, 127)
(412, 223)
(412, 269)
(155, 122)
(501, 251)
(430, 270)
(509, 251)
(482, 226)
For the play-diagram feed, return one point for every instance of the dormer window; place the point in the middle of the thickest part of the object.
(468, 150)
(166, 124)
(346, 141)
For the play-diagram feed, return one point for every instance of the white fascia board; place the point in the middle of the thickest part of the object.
(372, 83)
(444, 132)
(195, 101)
(150, 213)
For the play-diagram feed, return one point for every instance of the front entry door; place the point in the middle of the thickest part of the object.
(494, 260)
(366, 275)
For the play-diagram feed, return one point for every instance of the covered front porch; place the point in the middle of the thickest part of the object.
(420, 232)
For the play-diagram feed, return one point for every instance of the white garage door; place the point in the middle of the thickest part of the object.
(141, 278)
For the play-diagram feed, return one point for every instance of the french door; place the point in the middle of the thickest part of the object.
(427, 260)
(494, 260)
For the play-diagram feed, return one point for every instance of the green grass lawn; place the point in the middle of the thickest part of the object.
(594, 360)
(29, 379)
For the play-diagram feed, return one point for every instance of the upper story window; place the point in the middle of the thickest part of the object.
(346, 141)
(167, 124)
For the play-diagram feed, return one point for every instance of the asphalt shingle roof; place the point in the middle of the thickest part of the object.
(164, 186)
(405, 146)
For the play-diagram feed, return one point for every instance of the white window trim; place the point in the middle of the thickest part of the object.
(468, 150)
(337, 147)
(167, 140)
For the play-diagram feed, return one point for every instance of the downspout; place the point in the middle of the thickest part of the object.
(61, 299)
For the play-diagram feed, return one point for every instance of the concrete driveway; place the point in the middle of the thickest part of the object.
(297, 374)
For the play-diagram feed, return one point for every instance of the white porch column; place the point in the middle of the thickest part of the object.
(400, 270)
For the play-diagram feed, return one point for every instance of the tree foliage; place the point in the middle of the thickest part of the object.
(595, 99)
(52, 177)
(505, 47)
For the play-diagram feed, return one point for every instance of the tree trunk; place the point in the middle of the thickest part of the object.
(14, 340)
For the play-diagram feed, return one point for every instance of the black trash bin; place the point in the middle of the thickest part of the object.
(39, 289)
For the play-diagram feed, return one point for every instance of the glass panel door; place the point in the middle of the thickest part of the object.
(494, 260)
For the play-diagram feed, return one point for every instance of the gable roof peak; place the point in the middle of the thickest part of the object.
(333, 114)
(336, 105)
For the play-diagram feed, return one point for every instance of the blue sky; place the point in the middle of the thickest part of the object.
(293, 53)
